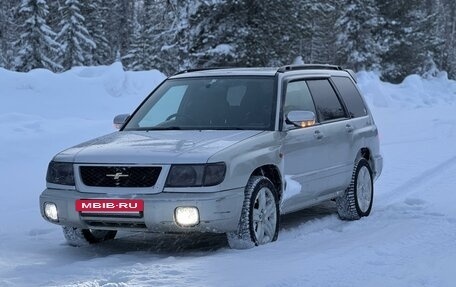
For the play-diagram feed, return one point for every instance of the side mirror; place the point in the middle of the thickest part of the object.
(120, 120)
(301, 119)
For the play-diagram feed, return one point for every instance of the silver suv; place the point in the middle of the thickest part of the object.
(222, 151)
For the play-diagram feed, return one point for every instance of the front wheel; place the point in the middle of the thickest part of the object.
(259, 222)
(80, 237)
(356, 202)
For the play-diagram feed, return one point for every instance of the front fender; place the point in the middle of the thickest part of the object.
(244, 157)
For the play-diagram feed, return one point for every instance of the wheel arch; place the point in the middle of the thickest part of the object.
(365, 153)
(272, 172)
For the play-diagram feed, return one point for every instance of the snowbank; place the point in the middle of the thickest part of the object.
(413, 92)
(84, 92)
(70, 106)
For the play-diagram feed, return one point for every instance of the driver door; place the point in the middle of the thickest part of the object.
(302, 149)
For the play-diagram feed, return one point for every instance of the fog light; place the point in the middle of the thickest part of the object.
(186, 216)
(50, 210)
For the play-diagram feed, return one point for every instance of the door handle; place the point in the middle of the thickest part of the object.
(349, 128)
(318, 135)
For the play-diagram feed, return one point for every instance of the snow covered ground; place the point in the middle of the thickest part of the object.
(409, 239)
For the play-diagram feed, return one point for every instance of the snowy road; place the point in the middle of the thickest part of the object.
(409, 239)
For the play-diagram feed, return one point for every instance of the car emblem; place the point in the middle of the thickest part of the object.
(117, 175)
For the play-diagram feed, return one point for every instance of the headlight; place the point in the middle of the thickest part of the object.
(185, 175)
(60, 173)
(214, 174)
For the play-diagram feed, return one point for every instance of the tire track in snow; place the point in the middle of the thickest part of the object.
(324, 216)
(411, 185)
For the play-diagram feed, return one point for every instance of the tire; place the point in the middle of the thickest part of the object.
(259, 222)
(82, 237)
(356, 202)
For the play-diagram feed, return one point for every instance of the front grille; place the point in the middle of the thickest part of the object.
(119, 176)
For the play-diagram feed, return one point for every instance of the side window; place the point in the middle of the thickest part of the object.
(298, 98)
(326, 100)
(351, 96)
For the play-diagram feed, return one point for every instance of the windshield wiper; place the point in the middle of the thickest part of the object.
(155, 129)
(176, 128)
(173, 128)
(226, 128)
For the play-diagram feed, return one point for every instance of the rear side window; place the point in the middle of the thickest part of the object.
(326, 101)
(351, 96)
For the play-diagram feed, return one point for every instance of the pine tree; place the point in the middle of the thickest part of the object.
(358, 28)
(450, 42)
(239, 33)
(74, 37)
(136, 55)
(95, 13)
(38, 49)
(408, 38)
(446, 30)
(4, 18)
(147, 40)
(319, 33)
(271, 36)
(167, 34)
(205, 39)
(200, 34)
(119, 19)
(176, 35)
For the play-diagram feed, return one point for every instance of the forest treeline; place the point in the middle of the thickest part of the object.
(397, 38)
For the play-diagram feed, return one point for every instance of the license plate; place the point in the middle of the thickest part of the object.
(110, 205)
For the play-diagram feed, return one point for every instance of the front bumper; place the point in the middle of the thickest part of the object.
(219, 211)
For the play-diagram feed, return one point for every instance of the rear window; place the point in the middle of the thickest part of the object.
(351, 96)
(326, 101)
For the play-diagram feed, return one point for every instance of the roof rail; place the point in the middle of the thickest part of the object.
(352, 74)
(199, 69)
(288, 68)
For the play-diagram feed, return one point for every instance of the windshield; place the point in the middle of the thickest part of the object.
(209, 103)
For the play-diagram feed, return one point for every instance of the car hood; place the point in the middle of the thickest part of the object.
(154, 147)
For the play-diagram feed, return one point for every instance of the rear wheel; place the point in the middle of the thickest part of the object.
(80, 237)
(259, 223)
(356, 202)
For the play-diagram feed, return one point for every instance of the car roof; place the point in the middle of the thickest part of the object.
(308, 70)
(271, 71)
